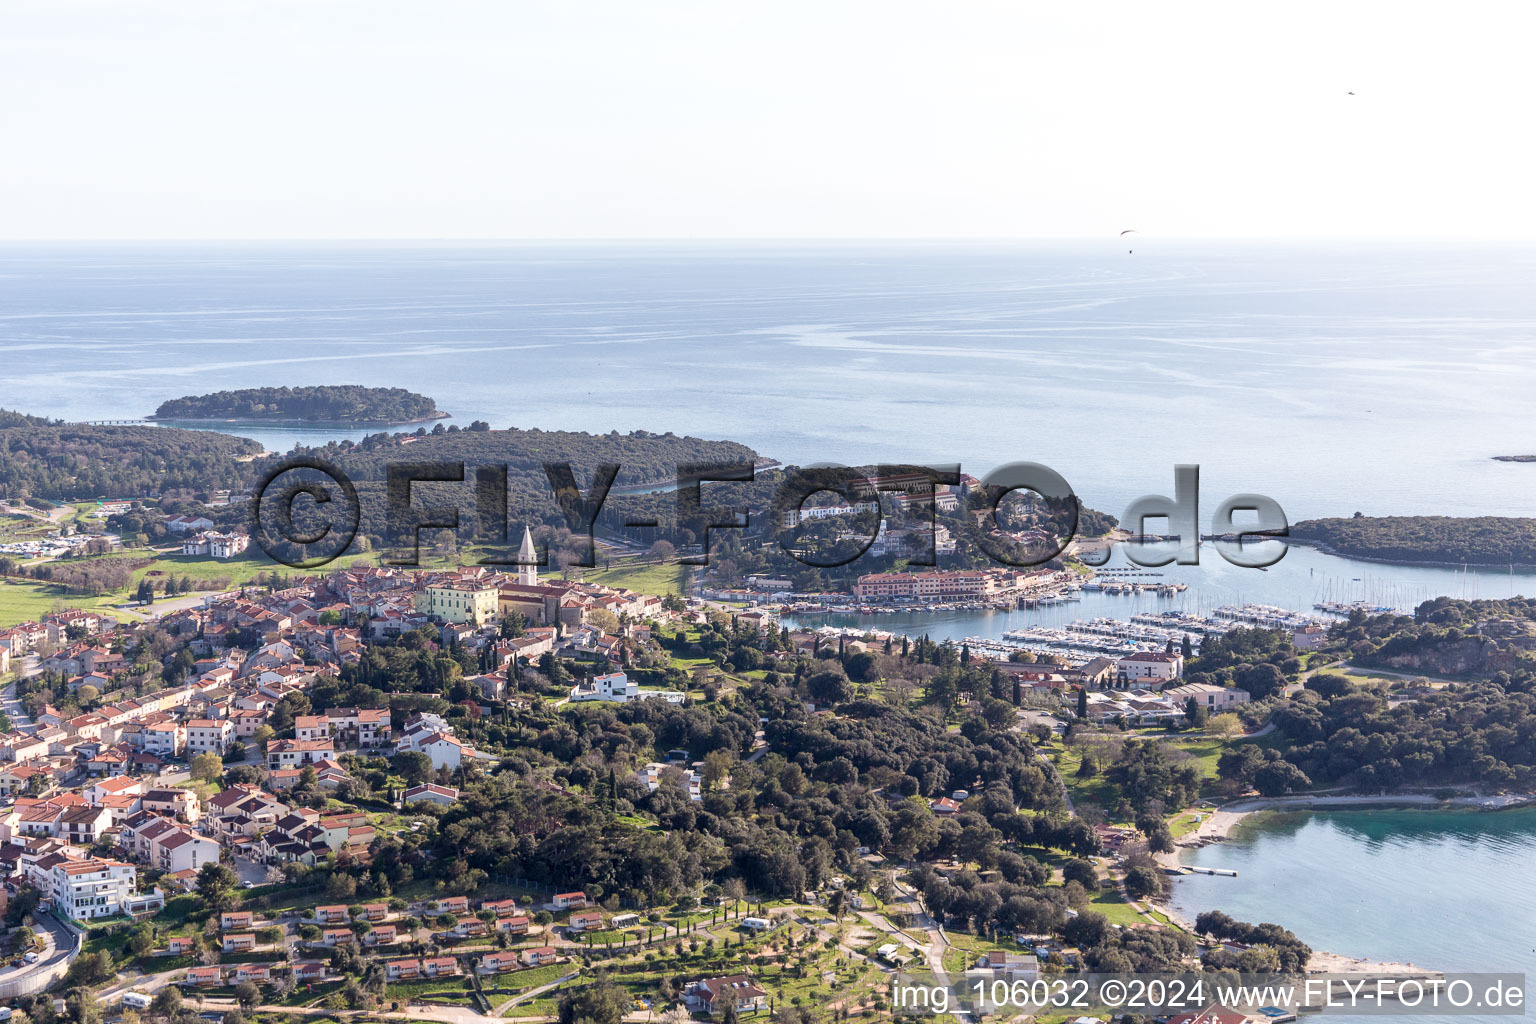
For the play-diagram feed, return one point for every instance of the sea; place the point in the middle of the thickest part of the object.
(1334, 378)
(1446, 890)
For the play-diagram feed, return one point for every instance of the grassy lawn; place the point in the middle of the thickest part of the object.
(1095, 790)
(1185, 822)
(433, 988)
(645, 579)
(1113, 906)
(523, 980)
(964, 950)
(24, 601)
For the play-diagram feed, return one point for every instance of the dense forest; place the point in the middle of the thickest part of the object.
(329, 403)
(643, 458)
(1475, 540)
(1481, 732)
(70, 461)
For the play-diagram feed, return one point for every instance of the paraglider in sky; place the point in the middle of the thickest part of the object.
(1129, 231)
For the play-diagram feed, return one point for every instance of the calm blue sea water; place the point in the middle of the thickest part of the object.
(1449, 890)
(1334, 379)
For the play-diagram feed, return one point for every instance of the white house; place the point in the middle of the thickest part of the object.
(1208, 696)
(217, 545)
(183, 524)
(445, 751)
(1150, 665)
(617, 688)
(430, 792)
(89, 888)
(209, 736)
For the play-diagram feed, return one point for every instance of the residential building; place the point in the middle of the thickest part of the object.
(431, 793)
(618, 688)
(84, 825)
(176, 803)
(359, 727)
(298, 753)
(209, 736)
(1150, 666)
(472, 602)
(93, 887)
(712, 995)
(1207, 695)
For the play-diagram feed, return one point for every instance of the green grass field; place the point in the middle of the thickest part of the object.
(1113, 906)
(23, 600)
(645, 579)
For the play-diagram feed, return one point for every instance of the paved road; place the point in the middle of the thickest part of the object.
(59, 943)
(249, 870)
(535, 993)
(10, 703)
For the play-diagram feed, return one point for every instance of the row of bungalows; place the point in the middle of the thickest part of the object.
(511, 959)
(304, 836)
(426, 967)
(231, 974)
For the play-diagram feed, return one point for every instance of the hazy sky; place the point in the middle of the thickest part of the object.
(676, 119)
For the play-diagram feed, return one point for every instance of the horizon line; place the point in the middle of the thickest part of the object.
(1146, 238)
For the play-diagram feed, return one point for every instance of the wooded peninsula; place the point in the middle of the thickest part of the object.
(1470, 540)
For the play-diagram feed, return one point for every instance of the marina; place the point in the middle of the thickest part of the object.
(1306, 586)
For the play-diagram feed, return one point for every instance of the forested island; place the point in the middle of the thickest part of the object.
(328, 403)
(1472, 540)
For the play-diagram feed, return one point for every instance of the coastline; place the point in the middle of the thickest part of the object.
(1219, 824)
